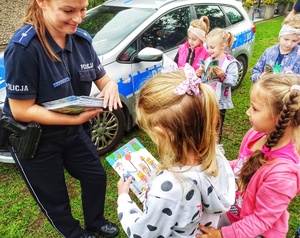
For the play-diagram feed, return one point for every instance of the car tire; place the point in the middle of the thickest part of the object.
(107, 130)
(242, 71)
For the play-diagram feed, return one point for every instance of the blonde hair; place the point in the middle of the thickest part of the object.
(292, 21)
(275, 91)
(189, 122)
(202, 23)
(35, 17)
(224, 36)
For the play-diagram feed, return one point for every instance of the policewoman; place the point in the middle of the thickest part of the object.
(49, 58)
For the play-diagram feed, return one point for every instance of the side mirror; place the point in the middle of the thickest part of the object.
(149, 54)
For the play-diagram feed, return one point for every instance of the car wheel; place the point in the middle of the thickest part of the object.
(107, 130)
(242, 71)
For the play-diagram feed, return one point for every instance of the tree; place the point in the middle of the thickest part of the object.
(94, 3)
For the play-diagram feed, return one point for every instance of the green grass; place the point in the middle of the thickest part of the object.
(20, 216)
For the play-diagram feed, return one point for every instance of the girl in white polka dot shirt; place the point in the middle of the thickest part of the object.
(194, 183)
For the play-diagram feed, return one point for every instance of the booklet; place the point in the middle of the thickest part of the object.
(210, 73)
(74, 104)
(272, 69)
(134, 160)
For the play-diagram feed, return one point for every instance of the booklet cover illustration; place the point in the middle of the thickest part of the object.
(210, 73)
(272, 69)
(74, 104)
(134, 160)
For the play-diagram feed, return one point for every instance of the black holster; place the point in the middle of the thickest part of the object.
(24, 139)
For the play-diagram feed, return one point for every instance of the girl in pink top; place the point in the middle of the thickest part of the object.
(193, 51)
(267, 170)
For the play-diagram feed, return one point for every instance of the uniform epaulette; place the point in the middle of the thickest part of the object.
(84, 34)
(24, 35)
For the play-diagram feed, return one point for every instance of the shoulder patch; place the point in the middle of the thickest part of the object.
(24, 35)
(84, 34)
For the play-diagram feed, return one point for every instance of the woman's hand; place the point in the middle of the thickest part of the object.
(123, 186)
(109, 91)
(111, 96)
(209, 232)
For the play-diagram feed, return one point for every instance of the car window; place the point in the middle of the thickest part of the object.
(214, 13)
(233, 14)
(169, 31)
(111, 25)
(128, 53)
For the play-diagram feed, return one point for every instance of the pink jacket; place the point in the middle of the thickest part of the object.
(183, 52)
(272, 187)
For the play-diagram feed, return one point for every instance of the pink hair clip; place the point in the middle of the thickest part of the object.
(191, 85)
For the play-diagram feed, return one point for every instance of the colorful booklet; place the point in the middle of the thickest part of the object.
(134, 160)
(210, 73)
(74, 104)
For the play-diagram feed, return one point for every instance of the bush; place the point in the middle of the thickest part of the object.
(248, 3)
(269, 2)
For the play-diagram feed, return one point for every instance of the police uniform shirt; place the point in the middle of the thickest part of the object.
(36, 76)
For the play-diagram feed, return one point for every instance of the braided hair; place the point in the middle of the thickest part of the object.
(281, 93)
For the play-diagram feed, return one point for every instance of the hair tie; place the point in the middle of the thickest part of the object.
(198, 32)
(295, 87)
(266, 151)
(288, 30)
(191, 85)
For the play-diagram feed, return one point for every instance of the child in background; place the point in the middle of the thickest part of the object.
(282, 57)
(195, 183)
(224, 74)
(193, 51)
(267, 169)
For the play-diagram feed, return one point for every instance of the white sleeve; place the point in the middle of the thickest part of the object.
(157, 220)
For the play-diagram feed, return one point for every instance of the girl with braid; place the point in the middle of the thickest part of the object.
(267, 170)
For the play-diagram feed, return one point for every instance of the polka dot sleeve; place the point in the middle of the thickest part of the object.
(157, 220)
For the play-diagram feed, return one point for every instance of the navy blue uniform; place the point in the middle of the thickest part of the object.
(35, 76)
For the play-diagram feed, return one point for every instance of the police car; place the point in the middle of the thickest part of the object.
(133, 39)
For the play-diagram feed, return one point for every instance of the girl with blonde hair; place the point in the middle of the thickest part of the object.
(193, 51)
(194, 183)
(221, 70)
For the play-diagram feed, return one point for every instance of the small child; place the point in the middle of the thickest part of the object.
(268, 166)
(195, 183)
(193, 51)
(282, 57)
(221, 70)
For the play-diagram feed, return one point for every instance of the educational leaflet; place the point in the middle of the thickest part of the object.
(134, 160)
(210, 73)
(74, 104)
(213, 79)
(273, 69)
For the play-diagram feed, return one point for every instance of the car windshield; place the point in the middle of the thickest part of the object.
(110, 25)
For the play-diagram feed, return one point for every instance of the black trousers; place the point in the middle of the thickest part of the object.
(44, 177)
(221, 122)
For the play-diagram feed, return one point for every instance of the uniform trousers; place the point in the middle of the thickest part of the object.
(44, 176)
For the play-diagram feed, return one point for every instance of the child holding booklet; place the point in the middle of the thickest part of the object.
(221, 70)
(193, 51)
(194, 183)
(282, 57)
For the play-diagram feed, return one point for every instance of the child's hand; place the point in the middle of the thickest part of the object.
(219, 72)
(209, 232)
(199, 72)
(123, 186)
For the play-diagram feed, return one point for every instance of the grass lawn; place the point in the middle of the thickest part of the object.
(20, 216)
